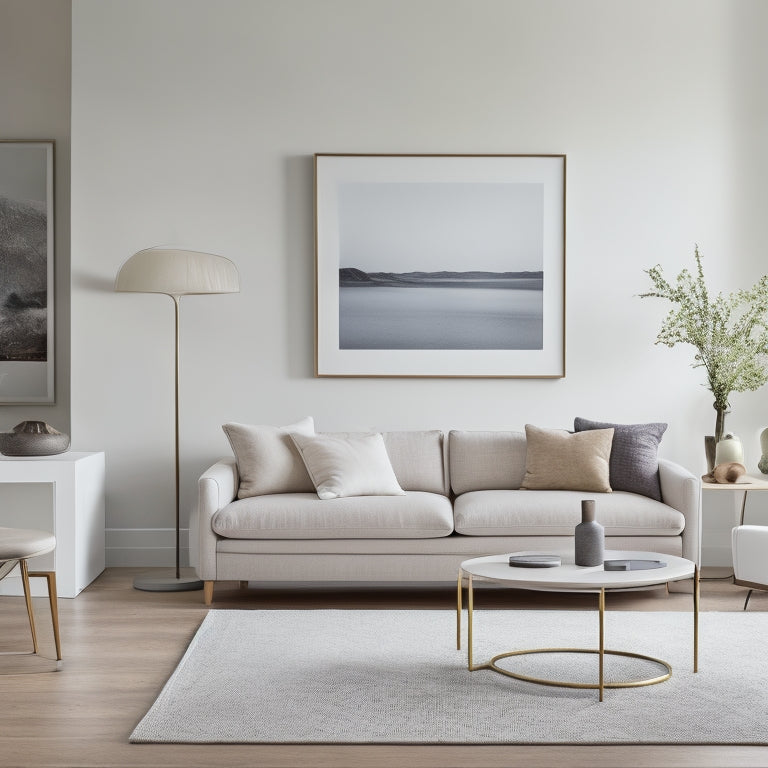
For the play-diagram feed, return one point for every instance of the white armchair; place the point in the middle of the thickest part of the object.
(750, 557)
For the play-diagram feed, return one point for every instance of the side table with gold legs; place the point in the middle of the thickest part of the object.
(572, 578)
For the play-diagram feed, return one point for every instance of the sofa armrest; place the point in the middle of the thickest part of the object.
(682, 491)
(216, 488)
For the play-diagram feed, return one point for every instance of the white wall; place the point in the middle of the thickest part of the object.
(195, 123)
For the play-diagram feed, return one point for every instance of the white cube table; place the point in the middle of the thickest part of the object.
(78, 514)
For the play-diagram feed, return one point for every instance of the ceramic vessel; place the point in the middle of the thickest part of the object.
(33, 438)
(729, 449)
(709, 449)
(763, 464)
(589, 537)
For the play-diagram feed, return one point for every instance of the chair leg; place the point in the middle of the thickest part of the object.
(53, 599)
(207, 592)
(28, 597)
(749, 594)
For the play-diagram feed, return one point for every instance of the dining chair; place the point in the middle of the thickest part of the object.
(17, 545)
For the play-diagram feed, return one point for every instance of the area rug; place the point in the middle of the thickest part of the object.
(333, 676)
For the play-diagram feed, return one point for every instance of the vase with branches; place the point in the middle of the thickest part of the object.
(729, 333)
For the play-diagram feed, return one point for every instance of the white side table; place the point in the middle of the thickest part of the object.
(78, 514)
(745, 484)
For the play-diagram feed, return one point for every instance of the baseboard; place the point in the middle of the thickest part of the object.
(145, 547)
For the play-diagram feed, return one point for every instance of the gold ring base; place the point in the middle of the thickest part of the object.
(566, 684)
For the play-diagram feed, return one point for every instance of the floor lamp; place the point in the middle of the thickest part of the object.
(175, 273)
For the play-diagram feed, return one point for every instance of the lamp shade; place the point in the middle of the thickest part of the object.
(177, 273)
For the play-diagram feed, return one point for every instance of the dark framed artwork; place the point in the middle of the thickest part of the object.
(440, 265)
(26, 272)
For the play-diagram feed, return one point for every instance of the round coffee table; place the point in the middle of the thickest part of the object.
(569, 577)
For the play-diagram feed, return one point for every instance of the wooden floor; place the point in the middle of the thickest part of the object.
(120, 645)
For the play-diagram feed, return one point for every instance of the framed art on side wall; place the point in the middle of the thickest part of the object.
(440, 265)
(26, 272)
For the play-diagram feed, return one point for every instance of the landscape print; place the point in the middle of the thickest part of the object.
(25, 322)
(437, 266)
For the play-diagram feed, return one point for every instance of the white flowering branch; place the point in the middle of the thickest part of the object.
(729, 333)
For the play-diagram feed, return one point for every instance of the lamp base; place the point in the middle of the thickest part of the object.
(166, 581)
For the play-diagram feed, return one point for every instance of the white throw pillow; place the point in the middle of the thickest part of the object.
(267, 460)
(348, 465)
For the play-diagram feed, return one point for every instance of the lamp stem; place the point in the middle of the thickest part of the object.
(177, 305)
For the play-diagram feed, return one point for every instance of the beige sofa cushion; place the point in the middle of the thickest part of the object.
(350, 465)
(267, 459)
(417, 515)
(416, 457)
(481, 461)
(418, 461)
(561, 460)
(556, 513)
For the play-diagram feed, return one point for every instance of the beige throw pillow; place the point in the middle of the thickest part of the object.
(557, 460)
(267, 460)
(348, 465)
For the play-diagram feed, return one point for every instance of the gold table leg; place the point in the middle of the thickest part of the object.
(696, 580)
(601, 652)
(459, 586)
(601, 609)
(470, 608)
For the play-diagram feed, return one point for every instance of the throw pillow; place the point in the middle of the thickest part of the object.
(348, 465)
(557, 460)
(634, 455)
(267, 460)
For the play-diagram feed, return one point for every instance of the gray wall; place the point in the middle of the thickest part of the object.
(195, 123)
(35, 50)
(35, 58)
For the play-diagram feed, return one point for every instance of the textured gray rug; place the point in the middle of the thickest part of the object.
(330, 676)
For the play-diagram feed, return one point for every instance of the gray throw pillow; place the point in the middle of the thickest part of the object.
(634, 464)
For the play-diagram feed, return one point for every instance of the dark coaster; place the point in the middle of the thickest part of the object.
(632, 565)
(538, 560)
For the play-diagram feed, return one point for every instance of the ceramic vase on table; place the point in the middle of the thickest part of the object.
(763, 464)
(729, 449)
(711, 441)
(589, 537)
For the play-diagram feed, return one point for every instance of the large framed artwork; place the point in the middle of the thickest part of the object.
(440, 265)
(26, 272)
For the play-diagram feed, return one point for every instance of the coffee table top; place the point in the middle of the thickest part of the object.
(571, 577)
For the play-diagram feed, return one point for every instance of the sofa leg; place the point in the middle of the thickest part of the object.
(243, 585)
(208, 592)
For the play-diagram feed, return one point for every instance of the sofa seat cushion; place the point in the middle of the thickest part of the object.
(415, 515)
(557, 513)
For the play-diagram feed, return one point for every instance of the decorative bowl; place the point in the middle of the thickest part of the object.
(33, 438)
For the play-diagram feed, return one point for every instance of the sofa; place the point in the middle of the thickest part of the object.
(292, 505)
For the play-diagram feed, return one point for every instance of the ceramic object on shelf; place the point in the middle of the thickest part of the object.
(728, 450)
(589, 537)
(763, 463)
(33, 438)
(709, 449)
